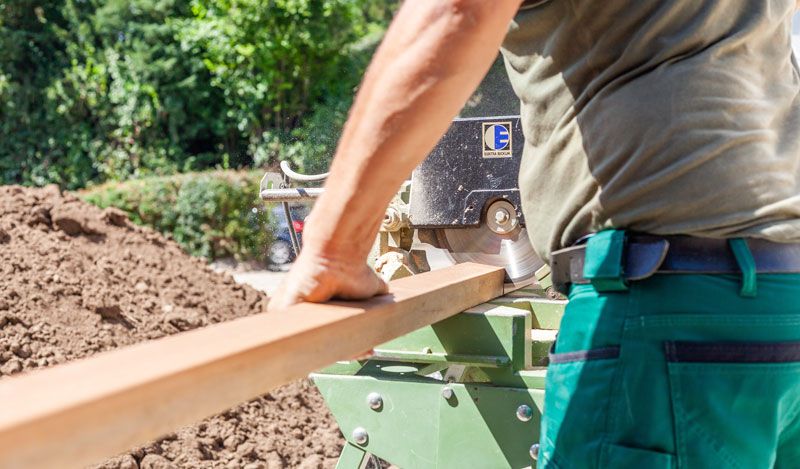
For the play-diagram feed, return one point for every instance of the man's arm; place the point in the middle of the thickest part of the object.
(434, 55)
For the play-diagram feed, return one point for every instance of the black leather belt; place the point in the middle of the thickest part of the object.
(645, 255)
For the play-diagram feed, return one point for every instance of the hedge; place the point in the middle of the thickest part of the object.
(213, 214)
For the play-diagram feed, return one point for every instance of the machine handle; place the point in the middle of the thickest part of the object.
(295, 176)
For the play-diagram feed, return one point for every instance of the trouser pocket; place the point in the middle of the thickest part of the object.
(731, 401)
(577, 393)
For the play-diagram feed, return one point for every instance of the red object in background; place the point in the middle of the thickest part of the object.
(298, 225)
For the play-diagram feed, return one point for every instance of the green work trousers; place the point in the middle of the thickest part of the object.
(676, 371)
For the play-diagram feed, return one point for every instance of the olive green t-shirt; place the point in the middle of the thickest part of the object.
(660, 116)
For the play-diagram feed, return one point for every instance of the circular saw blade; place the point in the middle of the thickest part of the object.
(512, 251)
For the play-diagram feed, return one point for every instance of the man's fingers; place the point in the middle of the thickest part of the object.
(277, 303)
(366, 285)
(284, 297)
(309, 281)
(381, 287)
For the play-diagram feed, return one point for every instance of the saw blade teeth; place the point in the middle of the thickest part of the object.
(512, 251)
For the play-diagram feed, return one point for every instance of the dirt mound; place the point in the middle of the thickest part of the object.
(78, 280)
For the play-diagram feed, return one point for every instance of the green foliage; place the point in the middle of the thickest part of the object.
(310, 145)
(211, 214)
(273, 58)
(95, 90)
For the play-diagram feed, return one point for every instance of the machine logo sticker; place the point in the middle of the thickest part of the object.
(497, 140)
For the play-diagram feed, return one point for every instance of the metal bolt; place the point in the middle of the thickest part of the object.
(360, 436)
(375, 401)
(447, 392)
(535, 451)
(524, 413)
(501, 216)
(427, 350)
(392, 219)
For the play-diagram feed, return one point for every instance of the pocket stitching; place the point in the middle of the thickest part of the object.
(645, 322)
(548, 445)
(681, 427)
(680, 437)
(605, 353)
(733, 368)
(607, 447)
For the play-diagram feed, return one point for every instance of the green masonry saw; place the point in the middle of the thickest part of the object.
(467, 391)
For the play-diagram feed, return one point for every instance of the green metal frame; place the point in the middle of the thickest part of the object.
(418, 427)
(493, 354)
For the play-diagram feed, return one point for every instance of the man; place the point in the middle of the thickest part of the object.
(677, 121)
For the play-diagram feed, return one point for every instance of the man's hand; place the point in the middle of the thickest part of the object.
(431, 60)
(315, 278)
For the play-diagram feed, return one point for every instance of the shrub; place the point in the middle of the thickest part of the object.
(97, 90)
(211, 214)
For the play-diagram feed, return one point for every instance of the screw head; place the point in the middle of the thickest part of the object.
(375, 401)
(535, 451)
(524, 413)
(447, 392)
(391, 219)
(501, 216)
(360, 436)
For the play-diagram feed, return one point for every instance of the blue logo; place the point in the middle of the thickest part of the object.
(496, 139)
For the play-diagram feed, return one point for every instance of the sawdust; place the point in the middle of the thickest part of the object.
(78, 280)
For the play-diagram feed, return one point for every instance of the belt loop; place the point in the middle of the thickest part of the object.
(603, 261)
(741, 251)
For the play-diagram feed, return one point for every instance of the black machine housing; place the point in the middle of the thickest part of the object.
(474, 164)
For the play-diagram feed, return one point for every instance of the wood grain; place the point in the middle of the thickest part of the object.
(77, 414)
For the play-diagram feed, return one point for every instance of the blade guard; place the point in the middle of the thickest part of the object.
(475, 163)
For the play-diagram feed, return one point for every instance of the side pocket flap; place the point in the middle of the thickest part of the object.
(616, 456)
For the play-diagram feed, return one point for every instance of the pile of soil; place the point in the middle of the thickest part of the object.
(78, 280)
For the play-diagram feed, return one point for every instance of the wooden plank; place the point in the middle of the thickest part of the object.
(81, 412)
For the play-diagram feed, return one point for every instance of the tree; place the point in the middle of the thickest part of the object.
(92, 90)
